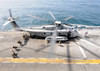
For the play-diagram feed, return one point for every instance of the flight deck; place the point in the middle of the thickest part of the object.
(37, 54)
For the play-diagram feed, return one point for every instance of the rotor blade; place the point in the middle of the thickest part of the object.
(69, 57)
(66, 25)
(16, 18)
(67, 18)
(10, 13)
(81, 50)
(38, 17)
(7, 23)
(52, 43)
(4, 18)
(52, 15)
(90, 43)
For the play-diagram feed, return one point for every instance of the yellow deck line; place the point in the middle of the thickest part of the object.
(45, 60)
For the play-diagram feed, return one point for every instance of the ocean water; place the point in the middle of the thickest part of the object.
(86, 12)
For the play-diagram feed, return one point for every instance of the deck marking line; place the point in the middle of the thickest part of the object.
(45, 60)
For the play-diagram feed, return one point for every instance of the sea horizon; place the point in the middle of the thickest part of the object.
(84, 12)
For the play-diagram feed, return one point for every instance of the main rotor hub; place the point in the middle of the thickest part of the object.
(57, 22)
(10, 19)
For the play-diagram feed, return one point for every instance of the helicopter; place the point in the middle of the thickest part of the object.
(63, 31)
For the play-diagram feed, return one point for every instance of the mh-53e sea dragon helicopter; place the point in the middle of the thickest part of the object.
(63, 31)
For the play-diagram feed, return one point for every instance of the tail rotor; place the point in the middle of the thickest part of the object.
(11, 20)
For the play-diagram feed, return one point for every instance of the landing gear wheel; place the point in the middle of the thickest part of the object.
(48, 42)
(69, 35)
(31, 35)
